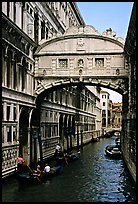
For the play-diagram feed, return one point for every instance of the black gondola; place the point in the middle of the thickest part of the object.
(30, 177)
(113, 151)
(70, 156)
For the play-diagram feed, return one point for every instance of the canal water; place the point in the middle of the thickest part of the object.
(92, 178)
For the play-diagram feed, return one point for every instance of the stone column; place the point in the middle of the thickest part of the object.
(17, 118)
(18, 13)
(4, 111)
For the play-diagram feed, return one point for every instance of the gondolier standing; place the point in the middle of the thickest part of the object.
(20, 161)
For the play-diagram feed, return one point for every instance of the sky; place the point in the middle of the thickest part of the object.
(103, 15)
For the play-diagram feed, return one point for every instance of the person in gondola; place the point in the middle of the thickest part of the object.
(38, 170)
(58, 147)
(20, 162)
(47, 169)
(59, 156)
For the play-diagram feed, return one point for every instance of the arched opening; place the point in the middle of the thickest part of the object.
(23, 133)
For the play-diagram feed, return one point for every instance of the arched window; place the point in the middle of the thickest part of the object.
(15, 73)
(3, 67)
(9, 67)
(23, 74)
(42, 30)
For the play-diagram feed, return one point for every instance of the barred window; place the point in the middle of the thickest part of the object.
(99, 62)
(63, 63)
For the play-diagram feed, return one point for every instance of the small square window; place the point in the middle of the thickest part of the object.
(99, 62)
(63, 63)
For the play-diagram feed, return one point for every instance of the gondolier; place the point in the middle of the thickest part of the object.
(20, 162)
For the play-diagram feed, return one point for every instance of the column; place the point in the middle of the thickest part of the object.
(12, 134)
(4, 111)
(17, 118)
(18, 13)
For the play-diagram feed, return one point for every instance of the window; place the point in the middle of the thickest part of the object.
(27, 7)
(103, 103)
(36, 24)
(31, 11)
(15, 12)
(8, 113)
(9, 134)
(103, 112)
(9, 66)
(42, 29)
(99, 62)
(14, 113)
(14, 75)
(8, 8)
(63, 63)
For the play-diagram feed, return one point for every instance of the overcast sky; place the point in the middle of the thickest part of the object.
(103, 15)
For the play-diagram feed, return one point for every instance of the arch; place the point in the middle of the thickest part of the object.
(81, 55)
(118, 86)
(23, 132)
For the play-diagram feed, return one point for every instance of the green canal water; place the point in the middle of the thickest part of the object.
(92, 178)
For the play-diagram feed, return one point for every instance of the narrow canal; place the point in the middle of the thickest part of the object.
(92, 178)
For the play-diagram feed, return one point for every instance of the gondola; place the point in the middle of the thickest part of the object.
(30, 177)
(113, 151)
(71, 156)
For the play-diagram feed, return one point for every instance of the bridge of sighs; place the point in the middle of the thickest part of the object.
(81, 55)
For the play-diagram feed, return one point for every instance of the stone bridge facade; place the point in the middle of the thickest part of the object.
(81, 55)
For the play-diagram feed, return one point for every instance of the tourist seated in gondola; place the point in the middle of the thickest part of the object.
(38, 170)
(47, 169)
(58, 147)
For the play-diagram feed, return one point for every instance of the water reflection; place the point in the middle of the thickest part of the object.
(92, 178)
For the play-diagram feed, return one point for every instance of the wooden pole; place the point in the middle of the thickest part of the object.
(81, 140)
(33, 173)
(77, 138)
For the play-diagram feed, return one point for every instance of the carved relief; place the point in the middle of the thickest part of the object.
(80, 63)
(80, 44)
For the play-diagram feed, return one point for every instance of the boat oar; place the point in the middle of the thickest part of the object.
(33, 172)
(66, 160)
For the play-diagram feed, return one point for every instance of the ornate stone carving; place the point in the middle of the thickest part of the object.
(80, 63)
(80, 44)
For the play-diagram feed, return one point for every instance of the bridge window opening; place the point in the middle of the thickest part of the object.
(63, 63)
(80, 63)
(99, 62)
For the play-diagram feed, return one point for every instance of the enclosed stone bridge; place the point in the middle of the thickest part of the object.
(81, 55)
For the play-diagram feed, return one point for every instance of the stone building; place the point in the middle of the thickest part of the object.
(25, 25)
(116, 120)
(49, 56)
(105, 105)
(129, 100)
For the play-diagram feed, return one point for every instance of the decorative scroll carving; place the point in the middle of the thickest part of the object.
(80, 63)
(80, 44)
